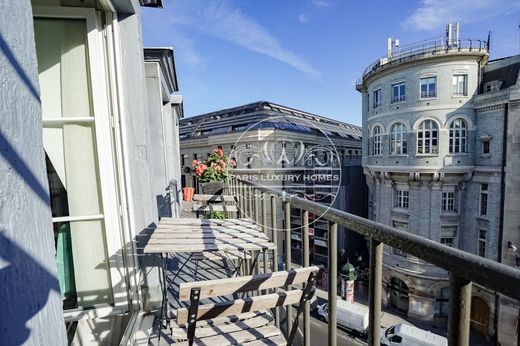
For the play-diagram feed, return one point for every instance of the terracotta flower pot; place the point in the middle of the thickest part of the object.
(187, 193)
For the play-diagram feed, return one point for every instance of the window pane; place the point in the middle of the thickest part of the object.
(82, 265)
(72, 169)
(72, 165)
(62, 67)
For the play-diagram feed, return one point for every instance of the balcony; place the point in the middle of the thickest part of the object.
(423, 50)
(263, 205)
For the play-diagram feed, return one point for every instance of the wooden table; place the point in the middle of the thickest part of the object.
(175, 235)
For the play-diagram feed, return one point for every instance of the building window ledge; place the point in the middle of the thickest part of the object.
(426, 155)
(458, 154)
(401, 212)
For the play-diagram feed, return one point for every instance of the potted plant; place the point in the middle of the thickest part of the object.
(212, 172)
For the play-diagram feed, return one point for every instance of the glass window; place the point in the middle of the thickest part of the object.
(377, 98)
(398, 140)
(398, 92)
(376, 140)
(428, 138)
(69, 139)
(460, 84)
(483, 199)
(448, 201)
(448, 241)
(448, 234)
(401, 198)
(458, 140)
(442, 302)
(486, 144)
(428, 87)
(482, 243)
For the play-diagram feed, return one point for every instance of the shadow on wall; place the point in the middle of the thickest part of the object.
(24, 284)
(6, 51)
(24, 291)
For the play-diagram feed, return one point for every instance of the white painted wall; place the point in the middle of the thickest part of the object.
(30, 304)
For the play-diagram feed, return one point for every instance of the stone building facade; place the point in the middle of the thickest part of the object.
(434, 141)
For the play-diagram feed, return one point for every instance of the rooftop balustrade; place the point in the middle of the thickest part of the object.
(423, 49)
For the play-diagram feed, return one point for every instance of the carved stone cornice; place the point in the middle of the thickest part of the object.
(490, 108)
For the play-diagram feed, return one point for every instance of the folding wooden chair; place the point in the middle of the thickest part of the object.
(209, 203)
(246, 321)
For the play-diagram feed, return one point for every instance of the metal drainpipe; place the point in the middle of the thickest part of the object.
(501, 224)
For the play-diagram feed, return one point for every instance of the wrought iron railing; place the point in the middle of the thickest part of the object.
(400, 54)
(464, 268)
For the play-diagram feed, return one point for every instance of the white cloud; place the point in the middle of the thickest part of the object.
(222, 20)
(434, 14)
(303, 18)
(184, 49)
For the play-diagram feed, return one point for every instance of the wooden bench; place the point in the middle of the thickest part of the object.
(246, 321)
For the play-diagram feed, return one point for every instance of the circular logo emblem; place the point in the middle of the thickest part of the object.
(287, 154)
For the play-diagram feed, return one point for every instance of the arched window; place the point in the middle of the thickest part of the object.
(458, 142)
(376, 140)
(398, 142)
(428, 138)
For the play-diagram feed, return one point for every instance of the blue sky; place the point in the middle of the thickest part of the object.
(305, 54)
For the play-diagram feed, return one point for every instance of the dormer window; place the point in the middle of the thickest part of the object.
(491, 87)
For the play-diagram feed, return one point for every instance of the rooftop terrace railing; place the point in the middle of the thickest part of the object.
(401, 54)
(464, 268)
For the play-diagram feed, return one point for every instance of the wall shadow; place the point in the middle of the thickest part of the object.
(24, 291)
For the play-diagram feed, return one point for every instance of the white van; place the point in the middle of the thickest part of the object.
(349, 315)
(406, 335)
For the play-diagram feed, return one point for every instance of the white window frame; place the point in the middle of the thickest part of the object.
(98, 76)
(458, 141)
(448, 201)
(458, 88)
(398, 135)
(377, 142)
(433, 135)
(401, 197)
(377, 98)
(429, 94)
(400, 96)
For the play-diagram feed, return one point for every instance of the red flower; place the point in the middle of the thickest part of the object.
(219, 152)
(194, 163)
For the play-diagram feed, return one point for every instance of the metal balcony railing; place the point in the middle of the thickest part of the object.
(418, 50)
(464, 268)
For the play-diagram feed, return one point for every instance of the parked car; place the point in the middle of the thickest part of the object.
(407, 335)
(351, 316)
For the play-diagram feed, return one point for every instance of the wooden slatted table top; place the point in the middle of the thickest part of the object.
(199, 235)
